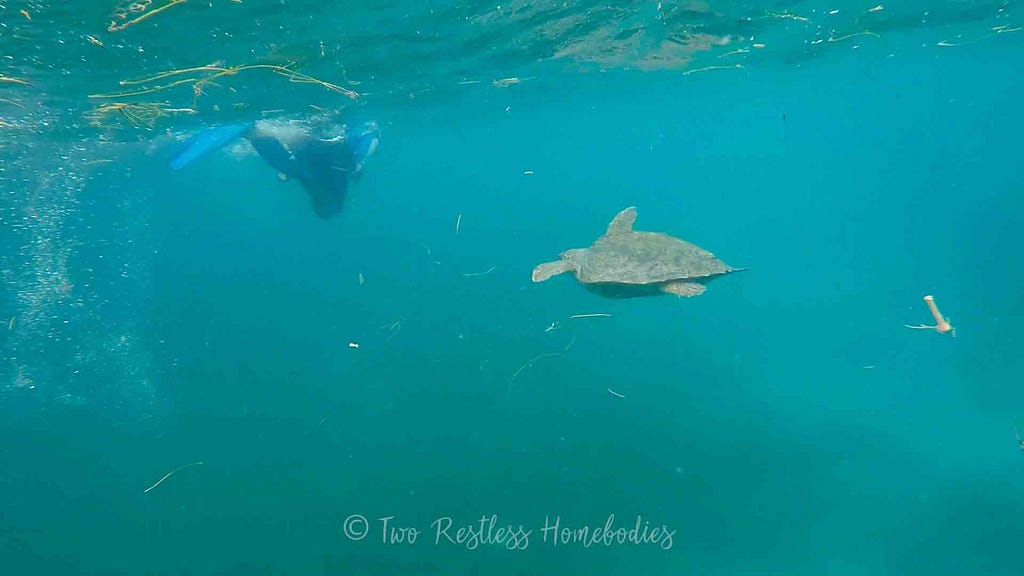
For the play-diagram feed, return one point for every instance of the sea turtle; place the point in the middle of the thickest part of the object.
(624, 263)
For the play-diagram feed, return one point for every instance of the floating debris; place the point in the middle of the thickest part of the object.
(506, 82)
(530, 362)
(709, 68)
(614, 393)
(10, 80)
(137, 114)
(854, 35)
(734, 52)
(168, 475)
(785, 16)
(393, 329)
(200, 76)
(115, 27)
(571, 342)
(488, 271)
(942, 325)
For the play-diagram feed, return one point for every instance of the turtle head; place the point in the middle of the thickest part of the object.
(574, 257)
(569, 260)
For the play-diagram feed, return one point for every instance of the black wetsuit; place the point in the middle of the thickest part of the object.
(322, 167)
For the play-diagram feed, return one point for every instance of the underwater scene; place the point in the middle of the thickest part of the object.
(451, 287)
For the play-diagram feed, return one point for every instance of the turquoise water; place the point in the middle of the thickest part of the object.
(785, 422)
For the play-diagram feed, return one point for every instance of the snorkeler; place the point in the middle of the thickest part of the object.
(321, 163)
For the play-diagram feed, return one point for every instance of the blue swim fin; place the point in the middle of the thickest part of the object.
(207, 141)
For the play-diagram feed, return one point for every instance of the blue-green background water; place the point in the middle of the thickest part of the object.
(785, 422)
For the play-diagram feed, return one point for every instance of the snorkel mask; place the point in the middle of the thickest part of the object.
(364, 142)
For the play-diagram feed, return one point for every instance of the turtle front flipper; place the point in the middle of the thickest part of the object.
(683, 289)
(623, 222)
(548, 269)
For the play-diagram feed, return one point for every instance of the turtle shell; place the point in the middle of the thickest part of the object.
(645, 258)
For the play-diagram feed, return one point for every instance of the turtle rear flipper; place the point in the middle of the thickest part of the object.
(548, 269)
(683, 289)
